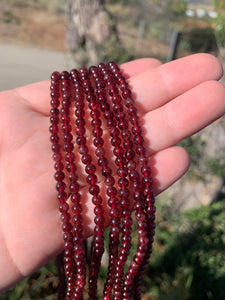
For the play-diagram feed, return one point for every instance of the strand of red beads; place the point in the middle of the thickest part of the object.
(123, 183)
(98, 242)
(76, 240)
(135, 178)
(108, 94)
(145, 241)
(61, 186)
(111, 190)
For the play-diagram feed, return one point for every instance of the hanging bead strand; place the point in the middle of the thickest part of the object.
(98, 242)
(91, 99)
(61, 186)
(140, 258)
(134, 178)
(74, 188)
(124, 194)
(110, 190)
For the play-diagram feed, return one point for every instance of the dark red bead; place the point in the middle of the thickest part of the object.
(91, 179)
(86, 159)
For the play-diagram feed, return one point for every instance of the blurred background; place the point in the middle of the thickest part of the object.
(38, 37)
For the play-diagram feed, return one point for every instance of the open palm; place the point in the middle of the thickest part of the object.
(175, 100)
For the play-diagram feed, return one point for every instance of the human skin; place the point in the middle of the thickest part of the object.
(175, 100)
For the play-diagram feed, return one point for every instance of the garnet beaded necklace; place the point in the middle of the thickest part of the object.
(88, 107)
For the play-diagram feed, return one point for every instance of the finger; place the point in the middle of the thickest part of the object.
(156, 87)
(38, 94)
(152, 88)
(185, 115)
(138, 66)
(168, 166)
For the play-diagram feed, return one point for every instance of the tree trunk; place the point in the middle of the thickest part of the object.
(88, 29)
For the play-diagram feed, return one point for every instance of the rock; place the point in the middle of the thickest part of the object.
(189, 193)
(207, 179)
(213, 138)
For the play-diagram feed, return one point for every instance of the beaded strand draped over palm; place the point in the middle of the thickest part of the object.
(175, 100)
(69, 92)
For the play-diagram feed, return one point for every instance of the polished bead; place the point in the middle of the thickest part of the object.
(100, 152)
(86, 159)
(80, 140)
(63, 207)
(90, 168)
(146, 170)
(102, 161)
(133, 175)
(74, 187)
(122, 172)
(111, 191)
(98, 142)
(123, 182)
(109, 180)
(59, 176)
(59, 167)
(83, 149)
(94, 190)
(91, 179)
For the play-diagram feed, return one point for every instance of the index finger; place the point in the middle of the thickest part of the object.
(154, 88)
(152, 84)
(37, 95)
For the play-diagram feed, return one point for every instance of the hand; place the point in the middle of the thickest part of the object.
(175, 100)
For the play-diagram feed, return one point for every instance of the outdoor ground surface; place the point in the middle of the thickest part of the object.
(32, 41)
(27, 23)
(31, 29)
(42, 24)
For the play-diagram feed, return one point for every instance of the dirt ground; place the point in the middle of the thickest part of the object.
(28, 23)
(34, 23)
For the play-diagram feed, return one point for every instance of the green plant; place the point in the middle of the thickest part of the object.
(201, 39)
(194, 146)
(220, 28)
(179, 7)
(220, 21)
(188, 260)
(215, 167)
(41, 285)
(9, 18)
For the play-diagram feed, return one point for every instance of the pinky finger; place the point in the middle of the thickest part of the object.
(168, 166)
